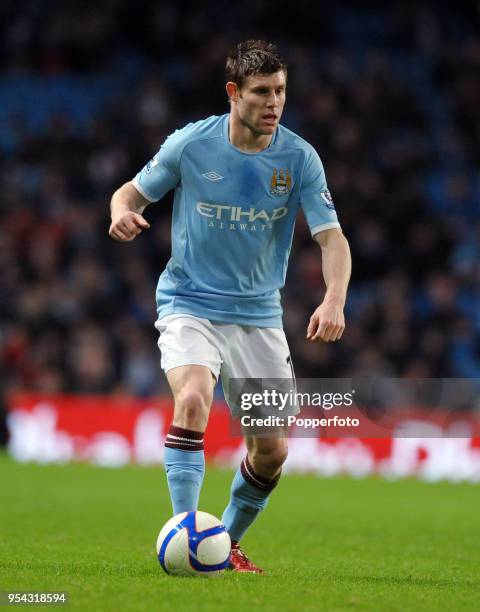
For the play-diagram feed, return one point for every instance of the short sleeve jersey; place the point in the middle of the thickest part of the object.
(233, 220)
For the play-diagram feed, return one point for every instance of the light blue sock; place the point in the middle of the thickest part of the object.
(246, 501)
(185, 471)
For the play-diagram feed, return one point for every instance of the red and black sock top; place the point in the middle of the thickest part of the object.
(184, 439)
(254, 479)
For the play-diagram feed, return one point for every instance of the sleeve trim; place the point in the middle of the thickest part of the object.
(141, 191)
(323, 227)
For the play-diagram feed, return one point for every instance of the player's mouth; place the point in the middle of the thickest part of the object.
(271, 118)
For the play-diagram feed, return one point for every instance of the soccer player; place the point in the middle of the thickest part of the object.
(239, 181)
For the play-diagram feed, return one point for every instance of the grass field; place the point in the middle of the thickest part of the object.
(327, 544)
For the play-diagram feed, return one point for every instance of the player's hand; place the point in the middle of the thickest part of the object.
(127, 226)
(327, 323)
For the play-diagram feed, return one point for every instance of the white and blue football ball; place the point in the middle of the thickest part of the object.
(193, 544)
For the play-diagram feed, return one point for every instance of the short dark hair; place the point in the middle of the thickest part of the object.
(253, 57)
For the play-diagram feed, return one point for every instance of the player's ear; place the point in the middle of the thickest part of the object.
(232, 91)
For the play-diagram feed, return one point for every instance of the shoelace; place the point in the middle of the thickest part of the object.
(244, 560)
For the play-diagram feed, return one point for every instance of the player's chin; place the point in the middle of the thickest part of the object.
(267, 129)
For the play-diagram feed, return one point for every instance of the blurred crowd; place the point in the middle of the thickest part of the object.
(388, 96)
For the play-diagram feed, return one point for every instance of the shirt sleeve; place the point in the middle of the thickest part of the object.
(162, 173)
(315, 198)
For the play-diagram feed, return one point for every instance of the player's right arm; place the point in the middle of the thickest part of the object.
(161, 174)
(126, 209)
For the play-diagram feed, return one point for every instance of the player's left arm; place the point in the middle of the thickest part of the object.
(327, 323)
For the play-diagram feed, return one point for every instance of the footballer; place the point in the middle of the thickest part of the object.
(239, 181)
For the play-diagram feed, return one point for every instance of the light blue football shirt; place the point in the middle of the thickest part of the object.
(233, 220)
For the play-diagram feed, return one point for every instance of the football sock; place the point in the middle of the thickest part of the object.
(185, 467)
(249, 495)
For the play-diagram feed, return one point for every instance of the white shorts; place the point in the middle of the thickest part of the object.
(229, 350)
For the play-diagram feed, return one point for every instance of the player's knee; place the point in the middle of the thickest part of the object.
(269, 460)
(279, 456)
(191, 410)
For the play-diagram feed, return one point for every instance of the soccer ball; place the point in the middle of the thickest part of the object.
(193, 544)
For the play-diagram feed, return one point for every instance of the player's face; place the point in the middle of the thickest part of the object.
(261, 100)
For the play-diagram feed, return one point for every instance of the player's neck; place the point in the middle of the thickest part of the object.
(243, 138)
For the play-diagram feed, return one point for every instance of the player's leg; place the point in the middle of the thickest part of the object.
(260, 354)
(254, 482)
(191, 361)
(192, 389)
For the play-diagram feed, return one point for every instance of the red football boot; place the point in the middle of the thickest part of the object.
(239, 562)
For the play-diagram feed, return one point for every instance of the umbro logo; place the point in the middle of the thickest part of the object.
(212, 176)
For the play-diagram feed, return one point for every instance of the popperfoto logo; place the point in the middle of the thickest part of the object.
(367, 406)
(272, 409)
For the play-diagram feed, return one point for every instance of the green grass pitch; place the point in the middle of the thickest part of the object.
(336, 544)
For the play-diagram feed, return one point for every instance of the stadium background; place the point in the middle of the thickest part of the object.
(388, 96)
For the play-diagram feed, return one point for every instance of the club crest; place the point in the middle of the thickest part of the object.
(281, 182)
